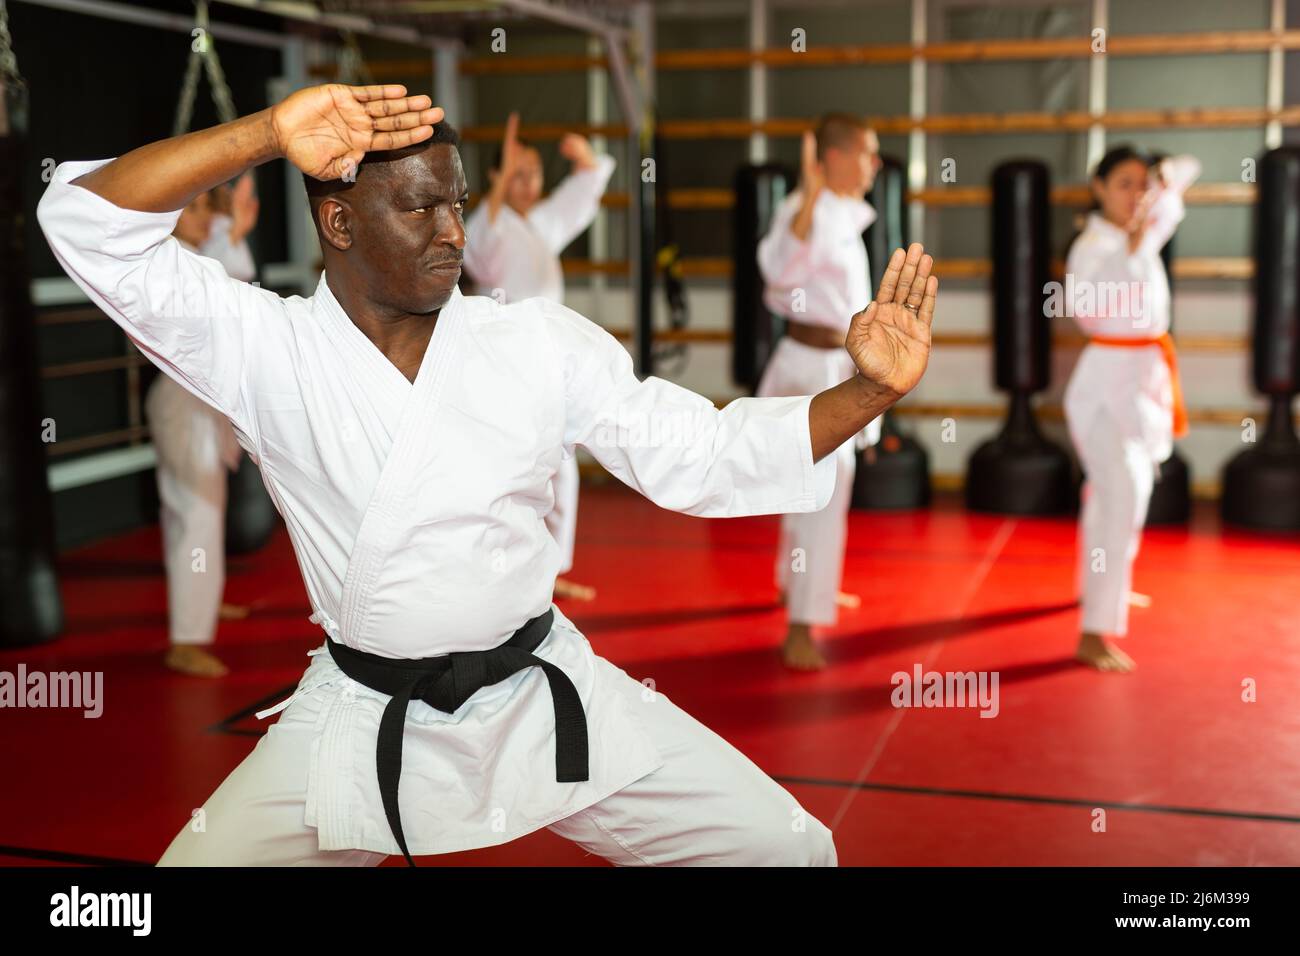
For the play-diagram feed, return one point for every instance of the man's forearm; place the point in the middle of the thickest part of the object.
(164, 176)
(496, 197)
(801, 224)
(839, 413)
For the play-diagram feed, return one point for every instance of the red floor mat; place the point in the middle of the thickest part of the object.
(1185, 770)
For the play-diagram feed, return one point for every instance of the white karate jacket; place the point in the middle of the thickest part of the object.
(1113, 293)
(824, 279)
(521, 256)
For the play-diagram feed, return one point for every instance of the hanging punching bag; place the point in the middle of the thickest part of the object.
(30, 608)
(250, 513)
(895, 474)
(1020, 471)
(1171, 497)
(1261, 485)
(754, 328)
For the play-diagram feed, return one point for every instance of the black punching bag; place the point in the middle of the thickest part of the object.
(250, 514)
(754, 328)
(1171, 498)
(30, 608)
(1261, 485)
(895, 474)
(1020, 471)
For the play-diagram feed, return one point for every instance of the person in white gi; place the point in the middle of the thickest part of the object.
(1123, 403)
(512, 252)
(196, 447)
(409, 436)
(814, 264)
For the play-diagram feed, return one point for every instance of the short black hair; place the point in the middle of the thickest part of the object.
(1119, 154)
(444, 134)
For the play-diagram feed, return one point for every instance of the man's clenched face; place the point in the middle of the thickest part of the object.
(402, 227)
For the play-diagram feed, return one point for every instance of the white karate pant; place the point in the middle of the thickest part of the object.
(193, 450)
(1120, 476)
(562, 522)
(810, 557)
(708, 804)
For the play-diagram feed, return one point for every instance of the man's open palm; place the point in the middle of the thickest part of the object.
(326, 130)
(890, 339)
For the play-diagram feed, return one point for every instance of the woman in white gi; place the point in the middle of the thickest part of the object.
(512, 252)
(814, 263)
(1123, 403)
(196, 448)
(409, 436)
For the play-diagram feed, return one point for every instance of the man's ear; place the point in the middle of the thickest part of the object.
(334, 219)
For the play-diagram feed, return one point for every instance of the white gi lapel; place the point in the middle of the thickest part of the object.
(389, 505)
(359, 352)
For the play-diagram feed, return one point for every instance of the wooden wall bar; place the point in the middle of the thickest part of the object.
(1222, 267)
(1054, 48)
(1073, 197)
(963, 124)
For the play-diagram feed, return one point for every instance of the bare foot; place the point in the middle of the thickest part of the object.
(800, 651)
(233, 612)
(1138, 600)
(195, 661)
(1095, 651)
(571, 589)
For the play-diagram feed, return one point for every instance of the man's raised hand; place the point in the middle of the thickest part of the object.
(326, 130)
(812, 177)
(890, 339)
(510, 148)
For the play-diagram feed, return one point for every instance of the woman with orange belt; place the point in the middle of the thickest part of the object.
(1123, 403)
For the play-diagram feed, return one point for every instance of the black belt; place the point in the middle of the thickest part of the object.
(445, 683)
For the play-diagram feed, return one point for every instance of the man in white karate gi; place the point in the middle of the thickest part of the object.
(814, 263)
(409, 436)
(512, 252)
(196, 450)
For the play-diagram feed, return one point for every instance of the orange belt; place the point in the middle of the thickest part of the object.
(1166, 343)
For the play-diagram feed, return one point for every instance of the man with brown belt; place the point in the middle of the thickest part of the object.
(814, 263)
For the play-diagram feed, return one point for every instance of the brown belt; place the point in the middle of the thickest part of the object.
(817, 336)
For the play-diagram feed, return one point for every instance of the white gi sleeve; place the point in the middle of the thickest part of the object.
(1167, 211)
(572, 206)
(1091, 260)
(485, 247)
(785, 260)
(235, 256)
(1099, 264)
(1179, 172)
(672, 445)
(184, 312)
